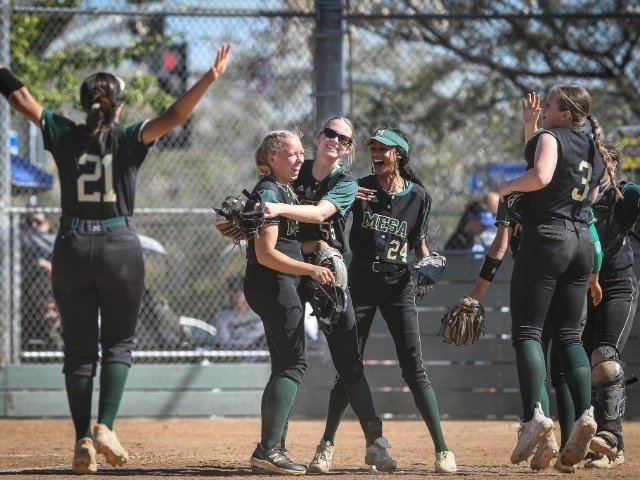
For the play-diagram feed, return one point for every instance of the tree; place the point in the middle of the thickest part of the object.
(54, 78)
(523, 45)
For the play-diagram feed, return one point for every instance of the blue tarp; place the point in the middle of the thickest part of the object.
(25, 174)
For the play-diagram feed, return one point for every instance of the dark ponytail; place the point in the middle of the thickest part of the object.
(407, 172)
(99, 95)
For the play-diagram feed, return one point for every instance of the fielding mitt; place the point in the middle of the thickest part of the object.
(515, 204)
(463, 324)
(235, 222)
(328, 301)
(429, 271)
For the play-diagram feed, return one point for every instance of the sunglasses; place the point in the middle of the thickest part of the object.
(331, 133)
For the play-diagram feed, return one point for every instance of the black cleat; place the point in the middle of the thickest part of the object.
(274, 460)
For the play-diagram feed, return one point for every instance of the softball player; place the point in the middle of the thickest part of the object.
(554, 262)
(326, 191)
(97, 266)
(390, 219)
(274, 268)
(609, 323)
(547, 448)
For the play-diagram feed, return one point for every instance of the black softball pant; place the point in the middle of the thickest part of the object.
(98, 282)
(342, 340)
(609, 323)
(274, 297)
(392, 294)
(549, 280)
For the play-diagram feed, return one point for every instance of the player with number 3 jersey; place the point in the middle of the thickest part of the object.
(553, 265)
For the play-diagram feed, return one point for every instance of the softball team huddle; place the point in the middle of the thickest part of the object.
(98, 270)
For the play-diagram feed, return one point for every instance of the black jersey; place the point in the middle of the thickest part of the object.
(578, 171)
(614, 218)
(97, 177)
(289, 241)
(340, 188)
(388, 228)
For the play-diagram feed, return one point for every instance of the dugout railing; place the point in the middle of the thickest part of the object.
(471, 382)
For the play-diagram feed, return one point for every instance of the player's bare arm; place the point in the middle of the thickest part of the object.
(313, 246)
(19, 97)
(497, 250)
(180, 110)
(270, 257)
(421, 250)
(541, 174)
(301, 213)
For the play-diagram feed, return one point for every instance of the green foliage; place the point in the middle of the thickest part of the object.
(54, 79)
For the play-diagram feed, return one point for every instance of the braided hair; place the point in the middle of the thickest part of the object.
(577, 101)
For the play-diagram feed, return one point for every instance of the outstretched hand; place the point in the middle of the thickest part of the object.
(220, 64)
(531, 109)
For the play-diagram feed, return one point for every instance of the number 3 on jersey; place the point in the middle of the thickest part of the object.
(101, 164)
(586, 178)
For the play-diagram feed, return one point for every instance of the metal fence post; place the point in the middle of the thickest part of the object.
(328, 65)
(5, 196)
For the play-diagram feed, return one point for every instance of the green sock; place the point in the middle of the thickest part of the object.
(338, 403)
(566, 413)
(577, 372)
(532, 371)
(79, 392)
(280, 397)
(359, 395)
(544, 401)
(263, 409)
(113, 377)
(428, 408)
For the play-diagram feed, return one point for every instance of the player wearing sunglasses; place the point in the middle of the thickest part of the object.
(326, 191)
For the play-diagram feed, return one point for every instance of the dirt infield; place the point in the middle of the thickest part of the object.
(178, 449)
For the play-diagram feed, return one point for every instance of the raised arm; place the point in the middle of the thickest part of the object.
(530, 113)
(180, 110)
(19, 97)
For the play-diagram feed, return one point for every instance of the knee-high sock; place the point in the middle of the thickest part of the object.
(359, 395)
(338, 403)
(428, 407)
(79, 392)
(532, 372)
(279, 399)
(113, 378)
(577, 372)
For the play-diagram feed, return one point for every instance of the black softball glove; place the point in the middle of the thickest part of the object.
(429, 271)
(515, 204)
(328, 301)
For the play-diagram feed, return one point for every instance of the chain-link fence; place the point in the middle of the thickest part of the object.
(408, 64)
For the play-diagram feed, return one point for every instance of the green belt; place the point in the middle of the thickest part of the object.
(73, 222)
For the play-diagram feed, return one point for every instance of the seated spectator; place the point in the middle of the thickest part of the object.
(239, 327)
(475, 230)
(40, 317)
(159, 326)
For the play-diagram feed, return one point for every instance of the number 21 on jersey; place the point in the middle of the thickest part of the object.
(102, 170)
